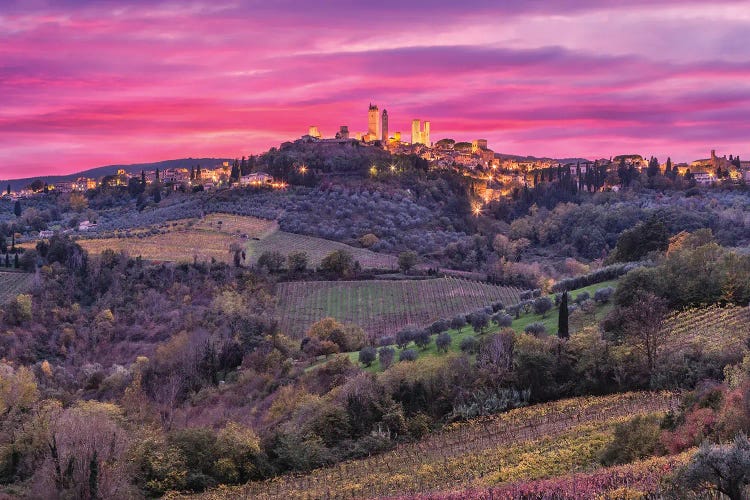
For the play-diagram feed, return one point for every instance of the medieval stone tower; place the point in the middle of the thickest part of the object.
(373, 122)
(384, 126)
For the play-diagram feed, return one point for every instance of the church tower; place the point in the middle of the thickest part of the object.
(384, 125)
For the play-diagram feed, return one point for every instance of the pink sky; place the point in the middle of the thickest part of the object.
(85, 83)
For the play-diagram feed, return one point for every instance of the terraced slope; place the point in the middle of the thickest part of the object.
(316, 249)
(210, 237)
(383, 307)
(13, 283)
(535, 442)
(710, 328)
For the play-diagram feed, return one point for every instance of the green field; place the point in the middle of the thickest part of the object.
(550, 322)
(12, 283)
(381, 307)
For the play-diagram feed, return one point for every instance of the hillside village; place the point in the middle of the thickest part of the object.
(497, 173)
(514, 283)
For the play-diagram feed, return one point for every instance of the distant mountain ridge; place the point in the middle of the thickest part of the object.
(505, 156)
(16, 184)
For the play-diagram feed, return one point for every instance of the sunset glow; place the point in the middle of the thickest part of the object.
(84, 84)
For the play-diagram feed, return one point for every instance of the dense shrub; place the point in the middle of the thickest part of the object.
(530, 294)
(443, 341)
(536, 328)
(469, 345)
(604, 274)
(405, 336)
(367, 355)
(338, 262)
(602, 295)
(271, 260)
(458, 322)
(407, 260)
(723, 468)
(488, 402)
(479, 321)
(297, 261)
(386, 355)
(502, 319)
(346, 337)
(386, 340)
(636, 243)
(542, 305)
(634, 440)
(407, 355)
(422, 338)
(438, 326)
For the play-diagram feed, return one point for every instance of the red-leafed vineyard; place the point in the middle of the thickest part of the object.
(632, 480)
(709, 328)
(384, 307)
(539, 441)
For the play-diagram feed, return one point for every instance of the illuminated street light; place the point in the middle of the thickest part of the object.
(373, 170)
(393, 167)
(303, 170)
(477, 210)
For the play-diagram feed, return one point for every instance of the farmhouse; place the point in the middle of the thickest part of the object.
(176, 176)
(256, 179)
(703, 178)
(63, 186)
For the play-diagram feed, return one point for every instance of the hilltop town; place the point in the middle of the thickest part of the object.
(497, 174)
(376, 316)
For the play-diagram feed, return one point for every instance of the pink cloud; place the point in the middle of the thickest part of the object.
(85, 84)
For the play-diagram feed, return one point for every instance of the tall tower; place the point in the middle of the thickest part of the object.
(416, 133)
(426, 135)
(373, 123)
(384, 125)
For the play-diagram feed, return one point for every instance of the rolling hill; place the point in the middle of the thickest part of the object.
(16, 184)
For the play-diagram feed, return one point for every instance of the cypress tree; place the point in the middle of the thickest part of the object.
(562, 318)
(8, 189)
(17, 208)
(94, 477)
(15, 261)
